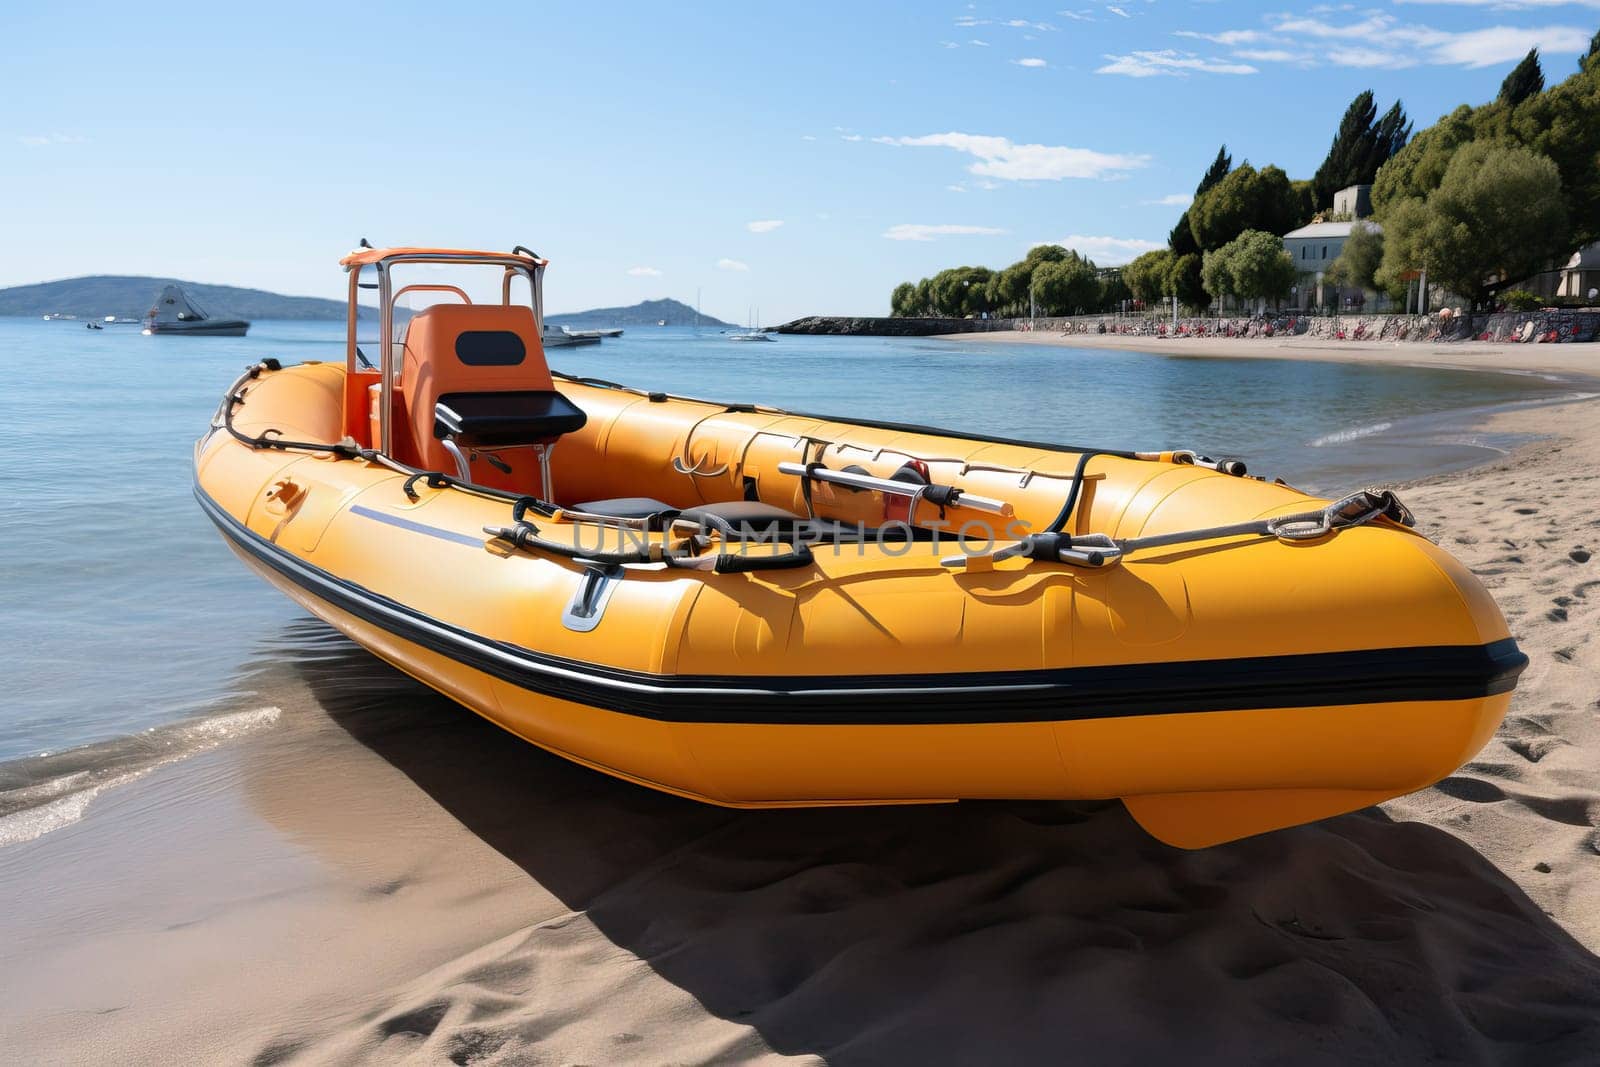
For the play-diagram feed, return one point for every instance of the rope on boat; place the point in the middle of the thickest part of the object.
(1098, 550)
(272, 438)
(1052, 545)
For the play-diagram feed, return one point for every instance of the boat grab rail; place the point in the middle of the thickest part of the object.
(942, 495)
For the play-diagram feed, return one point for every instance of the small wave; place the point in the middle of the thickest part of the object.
(46, 792)
(1346, 436)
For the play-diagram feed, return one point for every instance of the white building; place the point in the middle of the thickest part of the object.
(1313, 249)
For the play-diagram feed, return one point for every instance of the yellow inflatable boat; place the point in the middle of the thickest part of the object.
(761, 608)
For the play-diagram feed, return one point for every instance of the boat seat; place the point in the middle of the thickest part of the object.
(490, 420)
(475, 377)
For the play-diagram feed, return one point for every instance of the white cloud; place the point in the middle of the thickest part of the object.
(1502, 5)
(1377, 40)
(1173, 200)
(1227, 37)
(1108, 251)
(912, 231)
(1168, 62)
(1024, 24)
(956, 188)
(1271, 55)
(998, 157)
(978, 44)
(732, 264)
(1031, 61)
(850, 137)
(1115, 10)
(1503, 44)
(644, 272)
(807, 137)
(40, 139)
(1077, 16)
(949, 44)
(763, 225)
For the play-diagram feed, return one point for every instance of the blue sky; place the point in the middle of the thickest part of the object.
(803, 158)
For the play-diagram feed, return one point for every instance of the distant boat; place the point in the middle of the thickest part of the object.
(94, 326)
(752, 333)
(175, 313)
(661, 322)
(561, 337)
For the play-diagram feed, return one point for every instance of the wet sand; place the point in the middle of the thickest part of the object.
(381, 876)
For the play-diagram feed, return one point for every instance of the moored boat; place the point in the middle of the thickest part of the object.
(763, 608)
(175, 313)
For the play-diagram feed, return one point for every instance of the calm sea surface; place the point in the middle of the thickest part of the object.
(124, 611)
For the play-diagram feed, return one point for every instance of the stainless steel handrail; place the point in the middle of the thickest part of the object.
(890, 486)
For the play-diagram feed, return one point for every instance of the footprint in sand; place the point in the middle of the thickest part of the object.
(1474, 789)
(1579, 555)
(1532, 740)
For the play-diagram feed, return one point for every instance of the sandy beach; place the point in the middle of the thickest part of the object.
(375, 875)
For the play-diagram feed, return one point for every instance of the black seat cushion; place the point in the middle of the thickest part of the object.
(510, 418)
(627, 507)
(748, 517)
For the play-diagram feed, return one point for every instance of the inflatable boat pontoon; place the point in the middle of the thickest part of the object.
(761, 608)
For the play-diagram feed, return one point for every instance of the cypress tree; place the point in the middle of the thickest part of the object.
(1592, 54)
(1363, 144)
(1526, 79)
(1348, 153)
(1388, 137)
(1181, 239)
(1224, 163)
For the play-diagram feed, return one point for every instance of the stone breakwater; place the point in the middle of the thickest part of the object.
(1559, 325)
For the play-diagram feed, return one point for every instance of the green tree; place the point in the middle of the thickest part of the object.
(1216, 273)
(1183, 281)
(1181, 238)
(1558, 123)
(960, 291)
(903, 301)
(1252, 266)
(1113, 291)
(1362, 144)
(1146, 276)
(1526, 79)
(1247, 199)
(1589, 58)
(1216, 172)
(924, 303)
(1065, 287)
(1359, 260)
(1405, 249)
(1496, 218)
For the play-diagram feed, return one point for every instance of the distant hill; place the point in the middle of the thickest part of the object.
(649, 313)
(130, 296)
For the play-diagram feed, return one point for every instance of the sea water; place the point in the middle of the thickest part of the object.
(132, 635)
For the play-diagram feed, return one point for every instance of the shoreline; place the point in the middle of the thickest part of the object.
(378, 874)
(1581, 361)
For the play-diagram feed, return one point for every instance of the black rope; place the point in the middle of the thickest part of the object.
(1060, 521)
